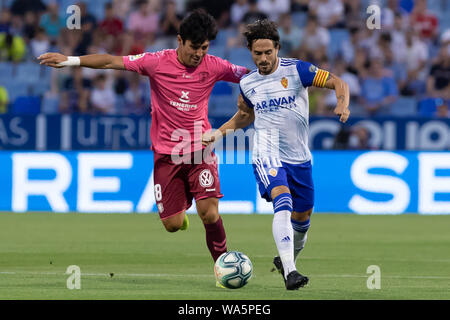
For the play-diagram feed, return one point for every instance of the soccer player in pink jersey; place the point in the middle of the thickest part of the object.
(181, 81)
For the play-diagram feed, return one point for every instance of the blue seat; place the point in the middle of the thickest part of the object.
(337, 37)
(222, 105)
(15, 89)
(27, 105)
(50, 104)
(6, 72)
(28, 73)
(39, 88)
(241, 56)
(299, 19)
(218, 51)
(97, 8)
(222, 37)
(404, 106)
(428, 106)
(222, 88)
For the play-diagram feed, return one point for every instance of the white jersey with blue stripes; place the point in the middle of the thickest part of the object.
(281, 106)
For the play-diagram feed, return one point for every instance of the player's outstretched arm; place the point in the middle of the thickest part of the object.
(241, 119)
(94, 61)
(342, 91)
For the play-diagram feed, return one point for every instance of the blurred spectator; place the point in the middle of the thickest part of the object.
(135, 96)
(88, 30)
(360, 63)
(367, 38)
(442, 110)
(382, 49)
(103, 98)
(299, 5)
(378, 91)
(330, 13)
(398, 43)
(348, 47)
(88, 20)
(12, 48)
(238, 10)
(40, 44)
(273, 8)
(315, 41)
(290, 35)
(220, 10)
(388, 14)
(438, 82)
(144, 21)
(20, 7)
(111, 25)
(424, 21)
(238, 40)
(170, 20)
(416, 56)
(30, 26)
(352, 13)
(75, 93)
(52, 22)
(359, 138)
(122, 8)
(4, 100)
(253, 14)
(5, 20)
(341, 139)
(356, 138)
(340, 69)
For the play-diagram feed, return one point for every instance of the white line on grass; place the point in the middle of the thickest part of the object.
(156, 275)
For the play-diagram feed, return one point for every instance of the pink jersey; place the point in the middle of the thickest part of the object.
(180, 96)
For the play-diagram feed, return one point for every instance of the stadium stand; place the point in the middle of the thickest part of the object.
(26, 77)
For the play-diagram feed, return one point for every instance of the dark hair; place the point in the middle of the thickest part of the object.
(262, 29)
(198, 27)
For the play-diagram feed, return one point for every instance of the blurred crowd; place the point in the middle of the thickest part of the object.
(401, 69)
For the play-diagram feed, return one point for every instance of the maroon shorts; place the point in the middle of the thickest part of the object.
(176, 185)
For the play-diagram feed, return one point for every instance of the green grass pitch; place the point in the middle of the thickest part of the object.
(146, 262)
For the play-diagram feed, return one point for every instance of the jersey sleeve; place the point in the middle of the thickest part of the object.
(144, 63)
(310, 75)
(226, 71)
(247, 101)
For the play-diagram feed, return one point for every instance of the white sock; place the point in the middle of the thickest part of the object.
(283, 234)
(299, 242)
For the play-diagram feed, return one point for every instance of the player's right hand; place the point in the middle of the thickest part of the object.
(210, 137)
(52, 59)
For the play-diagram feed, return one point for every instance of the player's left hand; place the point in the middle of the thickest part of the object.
(342, 112)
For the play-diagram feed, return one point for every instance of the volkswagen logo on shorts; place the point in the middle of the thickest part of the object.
(206, 178)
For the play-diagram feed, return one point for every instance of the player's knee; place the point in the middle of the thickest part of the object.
(209, 217)
(276, 191)
(208, 210)
(173, 224)
(302, 216)
(171, 228)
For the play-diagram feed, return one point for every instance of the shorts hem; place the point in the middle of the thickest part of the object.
(173, 214)
(304, 208)
(218, 196)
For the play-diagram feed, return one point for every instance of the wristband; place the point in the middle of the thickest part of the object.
(70, 62)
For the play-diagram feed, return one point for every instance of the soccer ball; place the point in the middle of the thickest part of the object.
(233, 269)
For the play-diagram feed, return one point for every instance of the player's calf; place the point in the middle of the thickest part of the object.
(216, 240)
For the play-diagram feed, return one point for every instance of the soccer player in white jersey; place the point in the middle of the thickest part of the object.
(275, 97)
